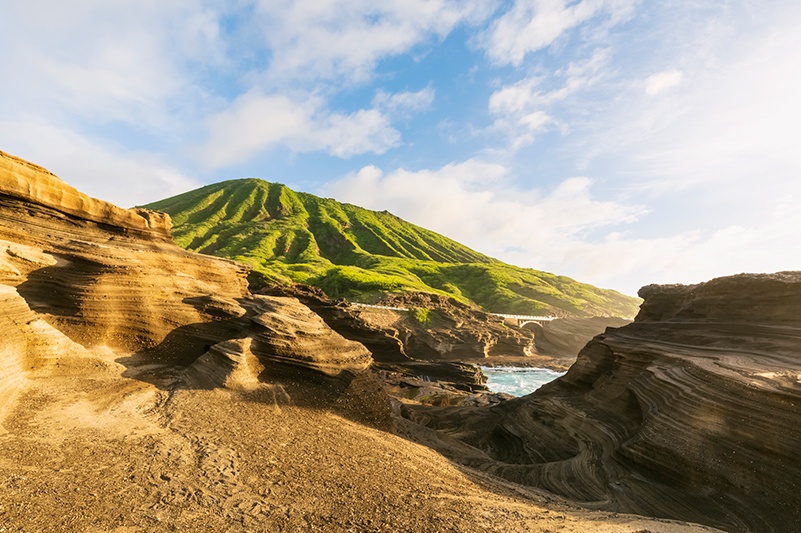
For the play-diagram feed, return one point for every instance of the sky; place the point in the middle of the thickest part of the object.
(619, 142)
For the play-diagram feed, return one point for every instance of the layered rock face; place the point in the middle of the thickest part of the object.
(565, 337)
(404, 375)
(691, 412)
(86, 283)
(144, 388)
(33, 184)
(453, 330)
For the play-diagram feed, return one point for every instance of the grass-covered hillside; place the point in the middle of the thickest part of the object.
(359, 254)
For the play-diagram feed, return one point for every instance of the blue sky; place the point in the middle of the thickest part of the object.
(620, 142)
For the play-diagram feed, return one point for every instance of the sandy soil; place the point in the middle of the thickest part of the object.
(86, 454)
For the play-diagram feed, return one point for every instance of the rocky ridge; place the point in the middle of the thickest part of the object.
(690, 412)
(33, 184)
(143, 387)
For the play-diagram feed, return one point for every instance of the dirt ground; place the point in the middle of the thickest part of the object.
(83, 454)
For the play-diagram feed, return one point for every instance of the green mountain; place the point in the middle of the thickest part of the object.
(359, 254)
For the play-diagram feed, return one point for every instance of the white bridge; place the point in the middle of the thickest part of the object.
(522, 320)
(519, 320)
(371, 306)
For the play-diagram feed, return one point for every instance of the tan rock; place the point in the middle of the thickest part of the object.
(31, 183)
(690, 412)
(143, 388)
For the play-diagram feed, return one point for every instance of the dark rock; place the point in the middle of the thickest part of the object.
(691, 412)
(565, 337)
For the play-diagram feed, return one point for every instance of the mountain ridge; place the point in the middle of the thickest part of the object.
(349, 251)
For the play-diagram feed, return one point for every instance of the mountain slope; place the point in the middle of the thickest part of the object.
(353, 252)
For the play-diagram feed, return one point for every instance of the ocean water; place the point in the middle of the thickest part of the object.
(518, 381)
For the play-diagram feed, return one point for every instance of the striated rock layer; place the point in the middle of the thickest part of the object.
(33, 184)
(143, 388)
(453, 330)
(565, 337)
(691, 412)
(403, 374)
(86, 274)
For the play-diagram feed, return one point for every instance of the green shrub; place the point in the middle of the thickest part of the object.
(421, 315)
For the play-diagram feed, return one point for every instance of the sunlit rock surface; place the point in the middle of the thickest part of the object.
(565, 337)
(143, 388)
(691, 412)
(109, 277)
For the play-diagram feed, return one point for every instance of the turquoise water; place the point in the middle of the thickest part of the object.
(518, 381)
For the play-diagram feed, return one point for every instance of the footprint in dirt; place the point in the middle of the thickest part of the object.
(220, 466)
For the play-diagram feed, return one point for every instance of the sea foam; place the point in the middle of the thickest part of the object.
(518, 381)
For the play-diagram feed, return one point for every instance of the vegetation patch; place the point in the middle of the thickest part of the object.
(422, 315)
(351, 252)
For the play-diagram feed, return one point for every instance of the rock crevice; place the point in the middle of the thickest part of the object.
(691, 412)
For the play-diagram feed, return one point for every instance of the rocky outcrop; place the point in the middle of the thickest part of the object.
(448, 329)
(690, 412)
(433, 382)
(275, 332)
(145, 388)
(565, 337)
(383, 343)
(81, 277)
(34, 185)
(295, 335)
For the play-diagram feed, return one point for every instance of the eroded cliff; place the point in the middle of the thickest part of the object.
(690, 412)
(144, 388)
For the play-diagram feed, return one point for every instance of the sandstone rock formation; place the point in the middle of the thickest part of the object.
(690, 412)
(34, 185)
(433, 381)
(109, 277)
(144, 388)
(564, 338)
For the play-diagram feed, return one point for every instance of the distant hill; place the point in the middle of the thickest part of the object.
(352, 252)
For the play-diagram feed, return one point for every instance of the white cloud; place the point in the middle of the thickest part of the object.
(406, 101)
(715, 156)
(663, 81)
(103, 61)
(515, 98)
(361, 132)
(723, 125)
(257, 122)
(344, 39)
(474, 203)
(627, 262)
(532, 25)
(528, 106)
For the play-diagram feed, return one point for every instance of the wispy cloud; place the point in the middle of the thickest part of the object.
(405, 102)
(100, 62)
(720, 122)
(258, 122)
(528, 106)
(662, 81)
(344, 39)
(531, 25)
(475, 203)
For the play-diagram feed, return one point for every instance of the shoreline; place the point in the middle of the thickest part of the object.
(557, 364)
